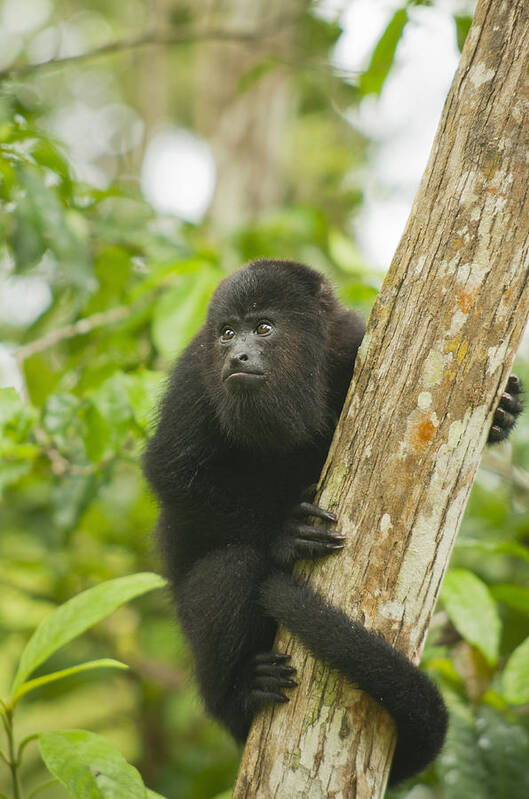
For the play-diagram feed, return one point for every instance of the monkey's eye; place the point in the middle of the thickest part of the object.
(227, 334)
(263, 329)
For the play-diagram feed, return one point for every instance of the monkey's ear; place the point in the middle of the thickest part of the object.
(325, 293)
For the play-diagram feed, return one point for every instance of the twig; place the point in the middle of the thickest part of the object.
(79, 328)
(158, 39)
(172, 679)
(42, 787)
(494, 462)
(59, 464)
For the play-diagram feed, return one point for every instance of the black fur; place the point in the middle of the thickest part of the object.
(244, 430)
(509, 408)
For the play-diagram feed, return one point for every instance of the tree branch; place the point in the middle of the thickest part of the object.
(79, 328)
(159, 39)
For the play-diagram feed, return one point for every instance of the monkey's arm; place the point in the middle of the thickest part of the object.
(230, 637)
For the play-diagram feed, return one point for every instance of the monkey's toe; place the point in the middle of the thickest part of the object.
(271, 677)
(508, 410)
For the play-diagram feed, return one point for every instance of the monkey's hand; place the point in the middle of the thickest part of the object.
(270, 675)
(509, 407)
(300, 540)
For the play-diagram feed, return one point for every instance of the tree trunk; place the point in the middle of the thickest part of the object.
(437, 353)
(246, 129)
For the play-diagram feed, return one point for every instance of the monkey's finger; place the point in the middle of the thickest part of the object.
(270, 683)
(266, 669)
(496, 434)
(268, 697)
(271, 657)
(510, 403)
(315, 549)
(306, 531)
(309, 509)
(514, 384)
(503, 418)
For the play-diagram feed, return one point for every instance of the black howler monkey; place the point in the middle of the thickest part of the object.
(243, 432)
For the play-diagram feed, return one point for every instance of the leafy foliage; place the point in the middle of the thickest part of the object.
(89, 766)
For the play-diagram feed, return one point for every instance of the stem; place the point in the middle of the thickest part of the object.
(12, 759)
(22, 745)
(42, 787)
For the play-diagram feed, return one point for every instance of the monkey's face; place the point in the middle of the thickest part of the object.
(244, 353)
(266, 378)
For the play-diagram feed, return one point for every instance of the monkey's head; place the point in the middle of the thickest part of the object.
(265, 344)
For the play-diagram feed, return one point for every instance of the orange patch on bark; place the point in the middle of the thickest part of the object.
(465, 301)
(422, 433)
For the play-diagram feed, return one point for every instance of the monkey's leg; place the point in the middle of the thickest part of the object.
(231, 638)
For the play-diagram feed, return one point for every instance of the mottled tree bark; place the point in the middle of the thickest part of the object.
(438, 350)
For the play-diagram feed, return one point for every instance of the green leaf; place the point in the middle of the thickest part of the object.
(495, 547)
(60, 411)
(11, 473)
(96, 432)
(345, 253)
(89, 766)
(373, 79)
(503, 747)
(472, 610)
(42, 222)
(111, 401)
(16, 454)
(143, 390)
(463, 24)
(19, 610)
(102, 663)
(113, 406)
(514, 596)
(255, 73)
(485, 755)
(516, 675)
(77, 615)
(165, 275)
(15, 415)
(459, 767)
(180, 311)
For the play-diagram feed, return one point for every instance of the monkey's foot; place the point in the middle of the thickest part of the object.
(509, 407)
(300, 540)
(271, 676)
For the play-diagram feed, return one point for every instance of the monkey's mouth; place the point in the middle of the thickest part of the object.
(244, 379)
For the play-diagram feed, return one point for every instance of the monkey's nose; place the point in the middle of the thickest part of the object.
(239, 358)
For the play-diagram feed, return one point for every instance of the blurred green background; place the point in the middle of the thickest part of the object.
(147, 149)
